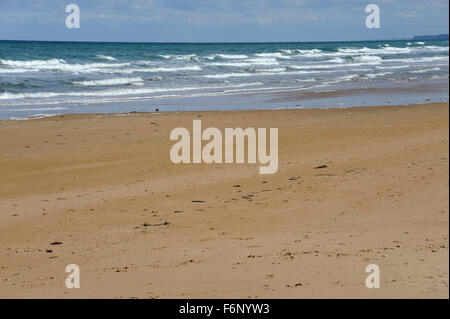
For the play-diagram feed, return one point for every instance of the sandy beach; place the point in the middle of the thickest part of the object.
(101, 192)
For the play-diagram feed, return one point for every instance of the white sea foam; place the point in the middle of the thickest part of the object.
(232, 56)
(374, 75)
(275, 55)
(337, 60)
(227, 75)
(40, 109)
(60, 65)
(186, 57)
(256, 72)
(33, 63)
(113, 81)
(106, 57)
(358, 61)
(305, 80)
(271, 70)
(311, 52)
(154, 69)
(424, 70)
(344, 78)
(368, 59)
(419, 60)
(32, 117)
(13, 70)
(266, 73)
(383, 50)
(172, 69)
(117, 92)
(405, 66)
(247, 62)
(436, 48)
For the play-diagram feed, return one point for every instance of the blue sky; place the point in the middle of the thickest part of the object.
(220, 20)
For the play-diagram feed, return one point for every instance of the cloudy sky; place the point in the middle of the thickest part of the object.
(220, 20)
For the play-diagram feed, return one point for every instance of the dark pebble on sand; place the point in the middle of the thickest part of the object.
(148, 225)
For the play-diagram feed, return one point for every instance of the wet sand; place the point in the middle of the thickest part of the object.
(103, 190)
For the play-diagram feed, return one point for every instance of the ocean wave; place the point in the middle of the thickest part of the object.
(106, 57)
(366, 50)
(419, 60)
(361, 61)
(227, 56)
(33, 63)
(271, 70)
(436, 48)
(228, 75)
(337, 60)
(13, 70)
(154, 78)
(374, 75)
(248, 62)
(368, 59)
(425, 70)
(343, 78)
(381, 50)
(302, 52)
(172, 69)
(247, 73)
(32, 117)
(113, 81)
(275, 55)
(40, 109)
(405, 66)
(152, 70)
(186, 57)
(116, 92)
(59, 65)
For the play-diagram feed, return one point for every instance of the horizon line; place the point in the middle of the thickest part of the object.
(225, 42)
(205, 42)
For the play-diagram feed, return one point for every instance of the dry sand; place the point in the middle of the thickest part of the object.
(92, 181)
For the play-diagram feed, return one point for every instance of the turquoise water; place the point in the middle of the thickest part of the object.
(46, 78)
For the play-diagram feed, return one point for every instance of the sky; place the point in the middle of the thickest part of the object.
(220, 20)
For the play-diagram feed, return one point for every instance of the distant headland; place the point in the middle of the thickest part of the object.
(431, 37)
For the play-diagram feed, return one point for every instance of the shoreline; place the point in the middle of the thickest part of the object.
(103, 186)
(298, 108)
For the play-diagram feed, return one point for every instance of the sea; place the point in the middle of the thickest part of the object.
(40, 79)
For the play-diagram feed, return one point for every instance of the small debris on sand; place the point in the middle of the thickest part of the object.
(151, 225)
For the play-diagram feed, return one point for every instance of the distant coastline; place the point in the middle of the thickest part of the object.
(430, 37)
